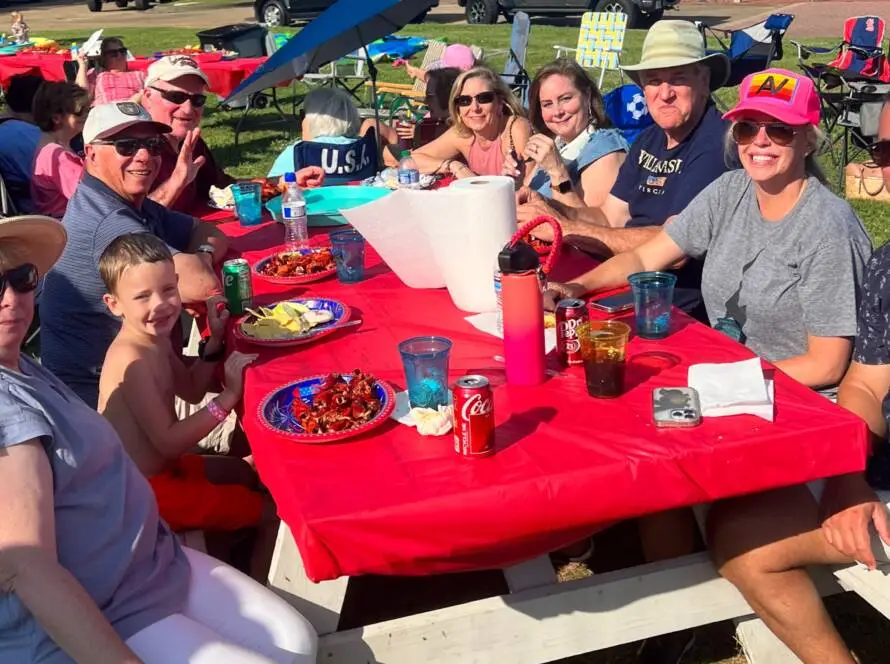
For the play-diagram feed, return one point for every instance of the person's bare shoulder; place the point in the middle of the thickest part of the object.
(125, 360)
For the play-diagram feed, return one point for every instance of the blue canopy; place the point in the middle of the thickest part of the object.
(344, 27)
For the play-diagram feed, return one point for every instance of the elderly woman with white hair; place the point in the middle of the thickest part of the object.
(330, 117)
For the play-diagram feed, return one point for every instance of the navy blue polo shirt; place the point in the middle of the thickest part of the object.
(76, 327)
(658, 183)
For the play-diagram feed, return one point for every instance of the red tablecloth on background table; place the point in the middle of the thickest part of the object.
(394, 502)
(224, 75)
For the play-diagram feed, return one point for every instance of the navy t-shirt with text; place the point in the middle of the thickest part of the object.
(658, 183)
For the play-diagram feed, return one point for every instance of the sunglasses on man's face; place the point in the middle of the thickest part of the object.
(179, 97)
(462, 101)
(127, 147)
(744, 132)
(22, 279)
(115, 51)
(880, 153)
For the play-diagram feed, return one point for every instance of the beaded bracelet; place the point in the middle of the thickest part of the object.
(218, 412)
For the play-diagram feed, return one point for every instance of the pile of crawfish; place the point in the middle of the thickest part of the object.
(298, 265)
(339, 404)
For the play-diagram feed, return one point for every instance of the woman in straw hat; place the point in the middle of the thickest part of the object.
(488, 123)
(88, 572)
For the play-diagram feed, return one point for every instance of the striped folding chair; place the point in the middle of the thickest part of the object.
(599, 42)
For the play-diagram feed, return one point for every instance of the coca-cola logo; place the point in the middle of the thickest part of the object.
(475, 406)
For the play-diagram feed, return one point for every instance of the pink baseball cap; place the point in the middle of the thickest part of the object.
(784, 95)
(457, 55)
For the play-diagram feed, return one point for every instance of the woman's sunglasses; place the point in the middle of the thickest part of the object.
(880, 153)
(127, 147)
(179, 97)
(22, 279)
(744, 132)
(114, 51)
(462, 101)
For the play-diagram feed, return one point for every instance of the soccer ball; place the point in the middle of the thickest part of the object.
(637, 107)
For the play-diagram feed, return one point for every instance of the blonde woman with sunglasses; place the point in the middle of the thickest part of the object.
(488, 124)
(783, 256)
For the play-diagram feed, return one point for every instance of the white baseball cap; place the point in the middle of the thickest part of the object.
(171, 67)
(107, 120)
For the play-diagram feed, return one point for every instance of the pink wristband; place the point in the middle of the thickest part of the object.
(217, 411)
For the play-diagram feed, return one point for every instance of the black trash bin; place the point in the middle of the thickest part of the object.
(247, 39)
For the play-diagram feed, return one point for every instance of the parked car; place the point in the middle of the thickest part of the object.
(96, 5)
(276, 13)
(640, 13)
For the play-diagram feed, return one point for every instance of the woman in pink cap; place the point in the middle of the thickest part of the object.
(783, 260)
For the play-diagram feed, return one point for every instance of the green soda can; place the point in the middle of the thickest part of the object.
(236, 282)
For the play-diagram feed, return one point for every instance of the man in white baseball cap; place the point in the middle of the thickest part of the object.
(123, 146)
(175, 94)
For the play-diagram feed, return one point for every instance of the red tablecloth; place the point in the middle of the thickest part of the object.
(394, 502)
(224, 75)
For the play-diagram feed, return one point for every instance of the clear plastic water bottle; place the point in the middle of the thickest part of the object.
(74, 51)
(500, 300)
(293, 213)
(408, 173)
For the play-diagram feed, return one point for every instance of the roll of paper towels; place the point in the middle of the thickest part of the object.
(467, 226)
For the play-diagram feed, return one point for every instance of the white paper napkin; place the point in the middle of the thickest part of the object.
(488, 323)
(439, 426)
(733, 388)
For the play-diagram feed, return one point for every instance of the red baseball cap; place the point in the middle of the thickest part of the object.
(784, 95)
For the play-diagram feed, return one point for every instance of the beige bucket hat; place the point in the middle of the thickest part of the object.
(33, 239)
(674, 44)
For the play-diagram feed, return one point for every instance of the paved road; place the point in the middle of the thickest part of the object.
(812, 19)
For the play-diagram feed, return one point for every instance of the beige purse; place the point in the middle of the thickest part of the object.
(866, 183)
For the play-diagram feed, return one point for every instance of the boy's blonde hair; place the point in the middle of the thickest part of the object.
(130, 250)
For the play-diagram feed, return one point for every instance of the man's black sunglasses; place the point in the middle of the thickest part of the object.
(179, 97)
(462, 101)
(22, 279)
(127, 147)
(880, 153)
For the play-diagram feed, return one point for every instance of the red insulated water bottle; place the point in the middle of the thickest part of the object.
(523, 306)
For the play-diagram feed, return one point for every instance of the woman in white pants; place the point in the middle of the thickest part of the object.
(88, 571)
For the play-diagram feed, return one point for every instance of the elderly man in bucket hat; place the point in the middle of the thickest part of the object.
(668, 164)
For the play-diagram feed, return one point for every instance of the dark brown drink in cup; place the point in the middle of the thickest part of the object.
(603, 347)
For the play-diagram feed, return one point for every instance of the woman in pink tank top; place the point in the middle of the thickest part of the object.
(487, 123)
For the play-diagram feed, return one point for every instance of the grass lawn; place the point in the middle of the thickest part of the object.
(860, 625)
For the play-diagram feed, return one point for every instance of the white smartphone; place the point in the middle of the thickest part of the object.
(675, 407)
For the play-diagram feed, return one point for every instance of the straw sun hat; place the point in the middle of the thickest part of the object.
(33, 239)
(674, 44)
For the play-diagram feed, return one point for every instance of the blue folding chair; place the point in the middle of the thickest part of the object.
(626, 108)
(750, 49)
(515, 75)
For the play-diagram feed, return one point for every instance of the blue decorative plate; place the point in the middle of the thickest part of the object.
(276, 412)
(340, 311)
(324, 204)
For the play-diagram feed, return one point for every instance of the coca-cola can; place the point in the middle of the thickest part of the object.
(473, 417)
(570, 313)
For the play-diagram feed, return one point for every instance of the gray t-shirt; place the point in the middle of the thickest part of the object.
(108, 533)
(783, 280)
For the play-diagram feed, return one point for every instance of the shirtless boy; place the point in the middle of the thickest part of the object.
(141, 376)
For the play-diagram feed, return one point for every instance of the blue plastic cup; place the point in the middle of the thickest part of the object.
(348, 248)
(248, 203)
(653, 298)
(425, 360)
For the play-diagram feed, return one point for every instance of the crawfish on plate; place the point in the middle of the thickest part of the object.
(297, 264)
(339, 404)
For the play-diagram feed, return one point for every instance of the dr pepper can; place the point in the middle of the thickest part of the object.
(473, 417)
(570, 314)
